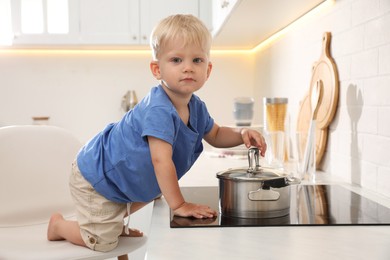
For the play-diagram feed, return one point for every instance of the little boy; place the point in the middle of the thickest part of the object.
(142, 156)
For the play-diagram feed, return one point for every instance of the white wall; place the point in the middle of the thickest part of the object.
(359, 136)
(82, 91)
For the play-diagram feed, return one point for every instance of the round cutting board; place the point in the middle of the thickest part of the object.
(303, 125)
(325, 70)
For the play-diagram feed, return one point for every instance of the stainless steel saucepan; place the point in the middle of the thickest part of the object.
(256, 191)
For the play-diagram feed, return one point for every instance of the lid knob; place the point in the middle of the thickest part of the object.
(253, 159)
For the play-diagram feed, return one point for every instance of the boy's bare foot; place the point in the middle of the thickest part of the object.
(51, 230)
(132, 233)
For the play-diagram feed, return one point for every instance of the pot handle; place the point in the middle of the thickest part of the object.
(263, 195)
(293, 180)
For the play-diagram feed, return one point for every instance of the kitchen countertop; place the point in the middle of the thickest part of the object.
(321, 242)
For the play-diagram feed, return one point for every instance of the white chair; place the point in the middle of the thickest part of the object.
(35, 163)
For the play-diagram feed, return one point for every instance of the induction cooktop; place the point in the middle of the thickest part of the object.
(310, 205)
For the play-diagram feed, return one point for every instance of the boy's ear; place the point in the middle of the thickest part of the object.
(155, 69)
(209, 69)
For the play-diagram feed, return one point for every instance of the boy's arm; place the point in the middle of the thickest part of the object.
(223, 137)
(161, 154)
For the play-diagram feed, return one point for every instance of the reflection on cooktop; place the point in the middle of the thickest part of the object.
(311, 205)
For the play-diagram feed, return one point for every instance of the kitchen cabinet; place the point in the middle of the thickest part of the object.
(152, 11)
(118, 22)
(109, 22)
(221, 10)
(101, 22)
(252, 21)
(43, 34)
(129, 22)
(126, 21)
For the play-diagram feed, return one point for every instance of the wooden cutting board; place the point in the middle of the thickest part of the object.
(325, 70)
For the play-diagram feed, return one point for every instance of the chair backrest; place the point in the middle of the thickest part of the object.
(35, 164)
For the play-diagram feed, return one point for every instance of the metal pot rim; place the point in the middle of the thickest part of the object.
(260, 174)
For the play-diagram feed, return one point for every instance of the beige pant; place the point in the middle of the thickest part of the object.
(101, 221)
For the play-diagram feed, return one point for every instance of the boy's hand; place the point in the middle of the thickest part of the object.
(253, 138)
(194, 210)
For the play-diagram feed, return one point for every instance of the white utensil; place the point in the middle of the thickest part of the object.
(315, 100)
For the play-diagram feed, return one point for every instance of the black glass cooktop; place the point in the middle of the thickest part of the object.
(311, 205)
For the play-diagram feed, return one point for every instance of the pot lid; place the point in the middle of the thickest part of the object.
(254, 171)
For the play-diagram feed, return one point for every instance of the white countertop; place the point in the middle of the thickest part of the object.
(293, 242)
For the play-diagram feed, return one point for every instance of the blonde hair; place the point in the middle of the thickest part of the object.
(184, 27)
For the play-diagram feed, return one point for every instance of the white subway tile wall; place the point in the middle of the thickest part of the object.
(359, 137)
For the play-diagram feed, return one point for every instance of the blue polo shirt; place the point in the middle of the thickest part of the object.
(117, 161)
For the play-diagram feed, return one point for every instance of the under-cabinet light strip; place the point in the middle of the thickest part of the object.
(295, 24)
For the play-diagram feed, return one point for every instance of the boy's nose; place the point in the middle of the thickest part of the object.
(188, 67)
